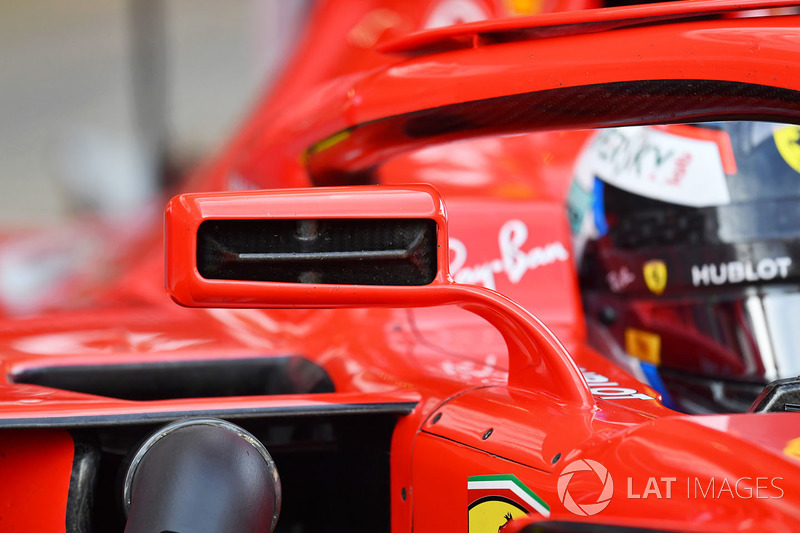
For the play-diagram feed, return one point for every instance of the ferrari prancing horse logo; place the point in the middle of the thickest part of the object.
(787, 140)
(494, 500)
(655, 275)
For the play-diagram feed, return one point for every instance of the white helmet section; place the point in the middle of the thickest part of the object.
(668, 164)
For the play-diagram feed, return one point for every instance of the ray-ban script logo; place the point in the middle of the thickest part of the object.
(513, 261)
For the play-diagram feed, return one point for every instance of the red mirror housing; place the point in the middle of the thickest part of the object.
(391, 210)
(286, 248)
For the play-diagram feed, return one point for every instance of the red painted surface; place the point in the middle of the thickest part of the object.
(514, 367)
(536, 357)
(566, 22)
(35, 468)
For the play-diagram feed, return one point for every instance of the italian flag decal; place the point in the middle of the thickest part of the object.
(495, 500)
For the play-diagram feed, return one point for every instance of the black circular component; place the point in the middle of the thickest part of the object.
(607, 315)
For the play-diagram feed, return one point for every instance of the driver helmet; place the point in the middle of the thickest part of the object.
(687, 239)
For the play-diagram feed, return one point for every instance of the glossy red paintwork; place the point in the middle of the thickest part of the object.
(35, 469)
(362, 62)
(516, 68)
(185, 213)
(536, 358)
(570, 22)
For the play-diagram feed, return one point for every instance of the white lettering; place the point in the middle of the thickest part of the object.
(783, 264)
(760, 487)
(725, 487)
(612, 391)
(737, 271)
(513, 261)
(619, 279)
(637, 396)
(669, 481)
(741, 488)
(722, 277)
(750, 275)
(651, 488)
(606, 389)
(767, 269)
(512, 236)
(772, 482)
(704, 493)
(748, 489)
(630, 490)
(592, 377)
(700, 275)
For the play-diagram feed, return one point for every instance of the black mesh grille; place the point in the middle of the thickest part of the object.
(328, 251)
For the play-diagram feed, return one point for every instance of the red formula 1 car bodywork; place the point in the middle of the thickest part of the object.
(386, 404)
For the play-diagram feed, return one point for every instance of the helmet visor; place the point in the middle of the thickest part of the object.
(715, 351)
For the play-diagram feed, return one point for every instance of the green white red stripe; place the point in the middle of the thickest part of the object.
(509, 482)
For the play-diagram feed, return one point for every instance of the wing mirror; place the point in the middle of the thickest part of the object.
(323, 247)
(345, 247)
